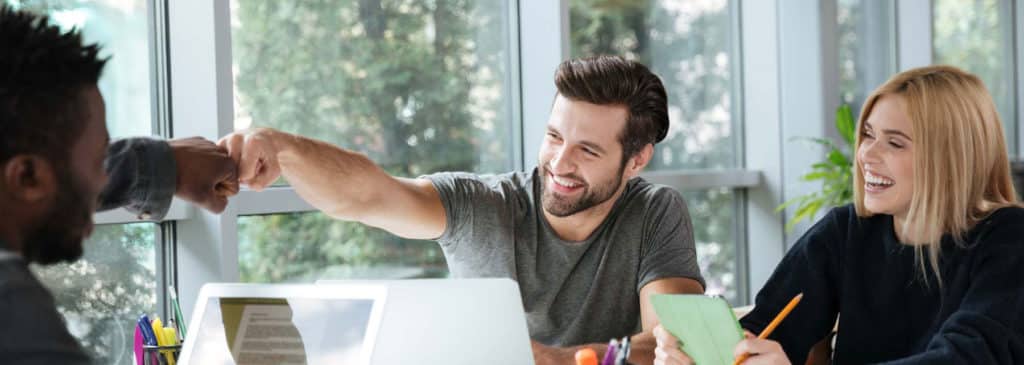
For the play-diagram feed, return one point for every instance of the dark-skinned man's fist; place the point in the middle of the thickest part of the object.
(207, 176)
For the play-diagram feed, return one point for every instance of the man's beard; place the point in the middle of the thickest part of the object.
(59, 235)
(561, 206)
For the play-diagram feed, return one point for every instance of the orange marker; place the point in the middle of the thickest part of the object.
(586, 356)
(771, 326)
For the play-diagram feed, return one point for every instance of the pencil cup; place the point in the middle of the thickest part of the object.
(153, 355)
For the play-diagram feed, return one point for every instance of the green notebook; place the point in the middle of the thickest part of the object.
(706, 326)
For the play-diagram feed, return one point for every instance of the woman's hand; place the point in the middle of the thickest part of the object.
(761, 352)
(668, 351)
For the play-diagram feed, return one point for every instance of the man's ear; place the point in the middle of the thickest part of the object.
(638, 161)
(29, 178)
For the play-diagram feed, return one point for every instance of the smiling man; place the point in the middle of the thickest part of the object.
(587, 240)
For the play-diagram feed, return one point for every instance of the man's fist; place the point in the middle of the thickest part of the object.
(255, 154)
(207, 176)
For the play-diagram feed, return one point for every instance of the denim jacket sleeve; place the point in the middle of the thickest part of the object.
(143, 177)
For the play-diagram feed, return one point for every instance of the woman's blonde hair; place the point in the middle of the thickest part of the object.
(961, 167)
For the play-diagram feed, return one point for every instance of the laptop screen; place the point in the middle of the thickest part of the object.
(240, 330)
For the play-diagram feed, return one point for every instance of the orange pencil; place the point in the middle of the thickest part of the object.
(775, 323)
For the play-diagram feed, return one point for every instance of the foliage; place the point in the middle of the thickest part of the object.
(835, 173)
(417, 86)
(307, 247)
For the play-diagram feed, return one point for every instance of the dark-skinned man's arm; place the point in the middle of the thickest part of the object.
(146, 173)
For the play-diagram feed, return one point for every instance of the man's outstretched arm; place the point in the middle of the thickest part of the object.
(343, 184)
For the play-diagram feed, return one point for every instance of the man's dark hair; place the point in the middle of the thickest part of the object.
(613, 80)
(43, 72)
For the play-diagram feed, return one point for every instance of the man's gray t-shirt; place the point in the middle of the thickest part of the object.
(573, 292)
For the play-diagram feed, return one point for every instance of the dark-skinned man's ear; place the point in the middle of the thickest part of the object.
(30, 178)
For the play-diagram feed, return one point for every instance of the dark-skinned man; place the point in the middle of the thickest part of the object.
(57, 166)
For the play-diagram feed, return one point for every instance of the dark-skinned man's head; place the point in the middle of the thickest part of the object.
(53, 137)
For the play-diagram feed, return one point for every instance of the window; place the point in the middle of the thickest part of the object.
(419, 87)
(848, 16)
(865, 42)
(103, 294)
(120, 28)
(714, 224)
(689, 45)
(977, 36)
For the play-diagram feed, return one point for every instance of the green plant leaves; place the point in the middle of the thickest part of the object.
(845, 124)
(838, 158)
(835, 173)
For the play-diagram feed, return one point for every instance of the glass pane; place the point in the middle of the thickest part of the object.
(978, 37)
(865, 42)
(418, 86)
(120, 27)
(688, 44)
(713, 213)
(305, 247)
(102, 294)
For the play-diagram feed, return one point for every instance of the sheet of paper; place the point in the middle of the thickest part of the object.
(266, 335)
(706, 326)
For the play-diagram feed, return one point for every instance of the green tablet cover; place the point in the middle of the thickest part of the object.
(706, 326)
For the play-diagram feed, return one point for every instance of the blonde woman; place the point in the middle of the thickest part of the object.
(927, 265)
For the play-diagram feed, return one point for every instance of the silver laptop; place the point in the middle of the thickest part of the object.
(283, 324)
(449, 321)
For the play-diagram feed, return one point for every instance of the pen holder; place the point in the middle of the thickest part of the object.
(152, 354)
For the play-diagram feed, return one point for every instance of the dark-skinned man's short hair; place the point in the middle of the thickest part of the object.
(613, 80)
(43, 72)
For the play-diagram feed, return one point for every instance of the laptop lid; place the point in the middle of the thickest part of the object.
(284, 324)
(450, 321)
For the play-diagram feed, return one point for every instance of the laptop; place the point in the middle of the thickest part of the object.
(449, 321)
(256, 324)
